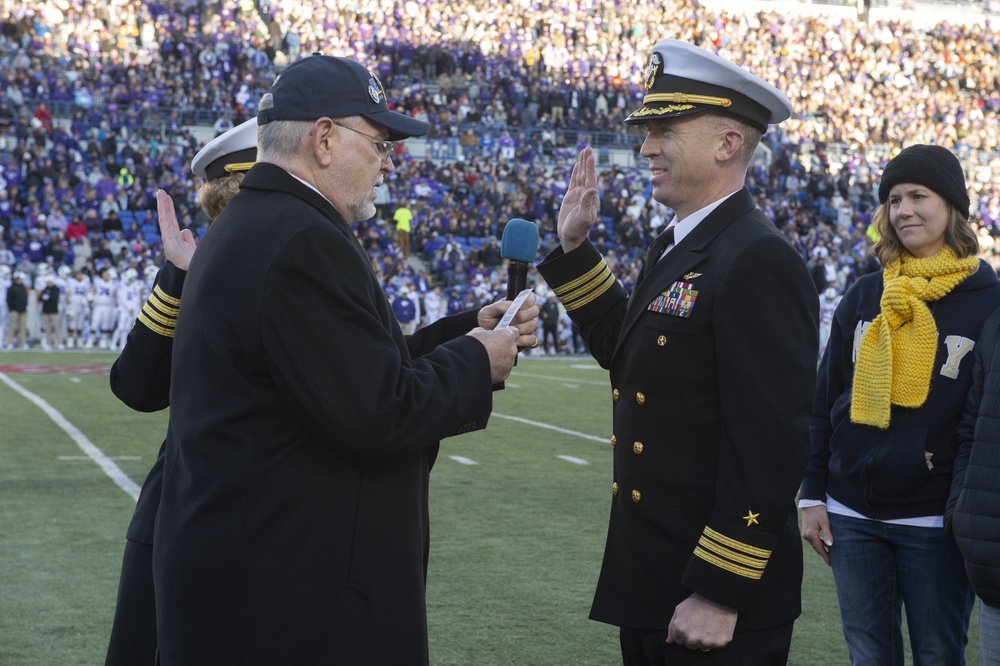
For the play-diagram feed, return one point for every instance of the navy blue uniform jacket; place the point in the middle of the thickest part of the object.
(293, 522)
(711, 417)
(140, 378)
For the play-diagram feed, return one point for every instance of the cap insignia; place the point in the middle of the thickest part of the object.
(375, 89)
(652, 68)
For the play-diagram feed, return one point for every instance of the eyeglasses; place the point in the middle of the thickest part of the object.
(382, 147)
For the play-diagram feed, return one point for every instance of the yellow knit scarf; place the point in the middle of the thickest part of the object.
(895, 361)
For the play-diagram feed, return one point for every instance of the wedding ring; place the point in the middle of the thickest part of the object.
(534, 345)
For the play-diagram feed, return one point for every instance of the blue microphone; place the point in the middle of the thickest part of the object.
(519, 246)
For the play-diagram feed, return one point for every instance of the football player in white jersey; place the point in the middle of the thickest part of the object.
(63, 274)
(103, 319)
(78, 298)
(149, 277)
(129, 297)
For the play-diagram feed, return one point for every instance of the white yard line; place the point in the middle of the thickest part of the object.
(592, 382)
(547, 426)
(88, 457)
(122, 481)
(104, 462)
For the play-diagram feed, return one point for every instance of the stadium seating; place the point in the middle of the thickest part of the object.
(841, 135)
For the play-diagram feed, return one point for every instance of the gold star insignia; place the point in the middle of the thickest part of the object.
(751, 518)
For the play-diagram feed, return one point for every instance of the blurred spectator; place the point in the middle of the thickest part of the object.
(17, 307)
(49, 298)
(549, 315)
(407, 309)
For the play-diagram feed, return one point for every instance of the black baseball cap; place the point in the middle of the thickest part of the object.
(320, 86)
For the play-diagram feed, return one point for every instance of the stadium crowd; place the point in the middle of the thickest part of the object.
(102, 103)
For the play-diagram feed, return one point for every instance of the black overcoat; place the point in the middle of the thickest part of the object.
(293, 524)
(973, 512)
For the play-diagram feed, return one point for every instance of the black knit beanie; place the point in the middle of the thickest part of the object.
(931, 166)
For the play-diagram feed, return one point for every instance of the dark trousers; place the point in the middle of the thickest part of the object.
(768, 647)
(133, 633)
(550, 333)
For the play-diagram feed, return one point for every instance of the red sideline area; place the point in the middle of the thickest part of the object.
(39, 368)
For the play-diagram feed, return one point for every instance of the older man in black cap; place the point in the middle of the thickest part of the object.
(293, 523)
(712, 361)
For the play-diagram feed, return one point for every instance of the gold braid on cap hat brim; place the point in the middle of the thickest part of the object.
(684, 98)
(658, 110)
(238, 166)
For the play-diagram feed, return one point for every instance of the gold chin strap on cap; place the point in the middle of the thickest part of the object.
(684, 98)
(238, 166)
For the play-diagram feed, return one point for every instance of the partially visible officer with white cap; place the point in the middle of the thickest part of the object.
(293, 524)
(140, 378)
(713, 364)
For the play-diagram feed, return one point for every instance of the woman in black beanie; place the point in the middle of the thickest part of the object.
(891, 387)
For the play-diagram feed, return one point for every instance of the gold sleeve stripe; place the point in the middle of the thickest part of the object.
(165, 315)
(166, 298)
(586, 288)
(755, 574)
(159, 312)
(154, 314)
(165, 308)
(165, 331)
(737, 545)
(607, 283)
(730, 554)
(589, 275)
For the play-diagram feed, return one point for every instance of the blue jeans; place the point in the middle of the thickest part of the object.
(878, 569)
(989, 635)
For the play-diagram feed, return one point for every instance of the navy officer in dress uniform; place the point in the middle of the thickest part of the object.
(140, 378)
(712, 363)
(293, 523)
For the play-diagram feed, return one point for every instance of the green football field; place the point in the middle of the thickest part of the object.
(518, 519)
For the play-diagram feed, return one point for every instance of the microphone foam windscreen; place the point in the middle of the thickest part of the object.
(519, 241)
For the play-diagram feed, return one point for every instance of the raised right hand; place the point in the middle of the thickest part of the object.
(580, 204)
(178, 246)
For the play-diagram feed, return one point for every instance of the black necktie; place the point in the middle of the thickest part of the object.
(659, 244)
